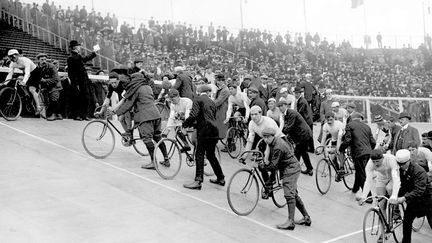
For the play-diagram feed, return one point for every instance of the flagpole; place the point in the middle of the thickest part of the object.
(364, 17)
(241, 14)
(424, 19)
(304, 13)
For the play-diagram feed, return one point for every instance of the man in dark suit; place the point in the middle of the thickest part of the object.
(406, 133)
(139, 97)
(203, 118)
(305, 111)
(184, 84)
(359, 138)
(79, 80)
(266, 91)
(296, 129)
(253, 95)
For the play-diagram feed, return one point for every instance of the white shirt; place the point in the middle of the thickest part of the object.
(266, 122)
(241, 100)
(388, 171)
(341, 115)
(24, 64)
(335, 130)
(184, 106)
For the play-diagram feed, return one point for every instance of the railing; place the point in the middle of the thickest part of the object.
(50, 37)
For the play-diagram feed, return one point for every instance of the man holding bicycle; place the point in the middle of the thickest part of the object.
(415, 191)
(282, 158)
(334, 129)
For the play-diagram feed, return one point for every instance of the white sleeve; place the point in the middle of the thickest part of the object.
(230, 105)
(251, 129)
(369, 179)
(188, 108)
(395, 178)
(171, 116)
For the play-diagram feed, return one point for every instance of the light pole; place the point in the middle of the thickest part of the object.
(241, 14)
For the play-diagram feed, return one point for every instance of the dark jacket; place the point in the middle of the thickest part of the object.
(417, 189)
(203, 117)
(402, 138)
(184, 86)
(394, 132)
(282, 158)
(358, 136)
(76, 70)
(266, 93)
(259, 102)
(143, 105)
(50, 79)
(221, 102)
(305, 111)
(309, 90)
(295, 127)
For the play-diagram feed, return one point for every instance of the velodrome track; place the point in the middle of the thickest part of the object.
(52, 191)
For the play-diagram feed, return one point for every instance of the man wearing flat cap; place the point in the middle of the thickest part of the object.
(203, 118)
(79, 80)
(406, 133)
(253, 94)
(427, 140)
(184, 83)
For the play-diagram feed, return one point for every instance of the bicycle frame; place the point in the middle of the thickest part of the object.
(388, 222)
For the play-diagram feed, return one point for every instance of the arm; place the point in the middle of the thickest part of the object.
(369, 180)
(229, 110)
(246, 105)
(170, 121)
(193, 115)
(419, 186)
(188, 108)
(127, 105)
(347, 141)
(371, 139)
(281, 122)
(396, 179)
(26, 72)
(274, 159)
(11, 72)
(89, 57)
(250, 140)
(177, 84)
(289, 124)
(224, 94)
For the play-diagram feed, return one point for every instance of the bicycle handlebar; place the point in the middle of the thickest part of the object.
(259, 160)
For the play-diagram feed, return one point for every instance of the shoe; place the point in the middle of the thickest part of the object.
(380, 239)
(218, 182)
(306, 220)
(59, 117)
(78, 118)
(307, 172)
(149, 166)
(185, 149)
(358, 195)
(339, 175)
(265, 194)
(288, 225)
(195, 185)
(165, 163)
(51, 118)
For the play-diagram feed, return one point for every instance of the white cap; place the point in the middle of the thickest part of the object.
(335, 104)
(178, 69)
(329, 91)
(283, 90)
(403, 155)
(308, 75)
(13, 52)
(255, 108)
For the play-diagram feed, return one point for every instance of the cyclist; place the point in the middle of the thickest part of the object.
(422, 156)
(257, 124)
(32, 75)
(282, 158)
(334, 129)
(341, 114)
(240, 100)
(180, 108)
(274, 112)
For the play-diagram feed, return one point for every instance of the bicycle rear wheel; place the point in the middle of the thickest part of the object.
(373, 226)
(10, 104)
(243, 192)
(349, 177)
(139, 145)
(171, 169)
(323, 176)
(235, 145)
(98, 139)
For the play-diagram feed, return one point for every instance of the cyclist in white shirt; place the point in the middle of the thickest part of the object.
(334, 129)
(341, 114)
(240, 100)
(180, 108)
(32, 75)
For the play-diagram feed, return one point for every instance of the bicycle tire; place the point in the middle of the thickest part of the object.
(243, 192)
(278, 195)
(397, 227)
(323, 175)
(235, 147)
(418, 223)
(138, 145)
(10, 104)
(167, 172)
(373, 226)
(98, 139)
(349, 176)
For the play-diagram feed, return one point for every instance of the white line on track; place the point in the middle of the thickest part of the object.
(344, 236)
(154, 182)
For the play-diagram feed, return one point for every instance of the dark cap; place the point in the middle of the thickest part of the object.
(138, 61)
(321, 85)
(204, 88)
(404, 115)
(284, 81)
(376, 154)
(73, 43)
(220, 76)
(268, 132)
(357, 115)
(329, 115)
(232, 85)
(113, 75)
(378, 118)
(173, 93)
(253, 89)
(351, 105)
(41, 55)
(137, 77)
(298, 89)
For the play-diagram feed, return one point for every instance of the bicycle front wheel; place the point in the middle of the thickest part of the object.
(235, 144)
(243, 192)
(10, 104)
(167, 167)
(323, 176)
(138, 144)
(397, 223)
(98, 139)
(349, 177)
(373, 226)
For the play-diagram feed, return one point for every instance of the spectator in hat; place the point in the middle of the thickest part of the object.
(137, 66)
(283, 84)
(358, 137)
(266, 90)
(309, 89)
(203, 118)
(253, 95)
(275, 113)
(325, 107)
(427, 140)
(79, 80)
(51, 86)
(351, 108)
(287, 96)
(303, 107)
(405, 134)
(422, 156)
(221, 97)
(184, 83)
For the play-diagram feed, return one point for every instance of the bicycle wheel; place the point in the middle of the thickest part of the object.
(235, 145)
(323, 176)
(373, 226)
(208, 170)
(98, 139)
(418, 224)
(167, 171)
(278, 196)
(10, 104)
(349, 177)
(139, 145)
(243, 192)
(398, 225)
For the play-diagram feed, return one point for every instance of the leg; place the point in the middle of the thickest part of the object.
(362, 173)
(210, 146)
(407, 224)
(146, 134)
(157, 135)
(199, 160)
(35, 95)
(289, 184)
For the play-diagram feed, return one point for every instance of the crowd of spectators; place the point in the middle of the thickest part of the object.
(162, 45)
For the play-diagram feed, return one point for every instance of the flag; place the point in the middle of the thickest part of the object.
(356, 3)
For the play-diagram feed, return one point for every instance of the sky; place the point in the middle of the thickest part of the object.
(399, 21)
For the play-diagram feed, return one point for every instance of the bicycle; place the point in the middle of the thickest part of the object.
(163, 108)
(237, 134)
(243, 189)
(323, 173)
(175, 146)
(98, 138)
(15, 96)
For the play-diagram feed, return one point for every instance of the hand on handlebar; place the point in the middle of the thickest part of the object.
(393, 200)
